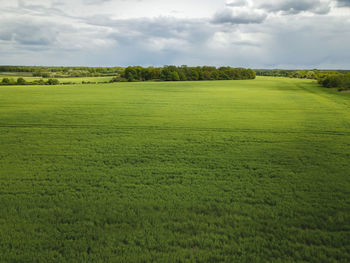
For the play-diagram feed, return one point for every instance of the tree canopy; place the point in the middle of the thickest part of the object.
(184, 73)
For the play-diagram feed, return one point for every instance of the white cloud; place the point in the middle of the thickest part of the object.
(239, 16)
(308, 33)
(236, 3)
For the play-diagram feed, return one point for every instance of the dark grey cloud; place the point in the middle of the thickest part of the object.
(242, 17)
(294, 6)
(35, 36)
(344, 3)
(25, 32)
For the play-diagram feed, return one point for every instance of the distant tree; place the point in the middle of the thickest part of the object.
(194, 75)
(346, 82)
(311, 75)
(45, 75)
(130, 74)
(6, 81)
(155, 73)
(252, 74)
(38, 82)
(21, 81)
(175, 76)
(214, 75)
(166, 74)
(53, 82)
(182, 76)
(206, 74)
(200, 74)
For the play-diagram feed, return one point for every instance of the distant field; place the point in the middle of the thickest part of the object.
(62, 80)
(234, 171)
(15, 74)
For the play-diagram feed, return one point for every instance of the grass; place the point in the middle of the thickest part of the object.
(233, 171)
(15, 74)
(86, 79)
(73, 80)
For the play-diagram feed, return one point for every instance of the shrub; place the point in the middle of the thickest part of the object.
(339, 81)
(53, 82)
(6, 81)
(21, 81)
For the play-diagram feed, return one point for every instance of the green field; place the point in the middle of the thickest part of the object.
(221, 171)
(73, 80)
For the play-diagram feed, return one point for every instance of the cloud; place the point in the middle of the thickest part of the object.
(27, 32)
(294, 6)
(142, 29)
(344, 3)
(237, 3)
(230, 16)
(34, 35)
(95, 2)
(303, 43)
(259, 34)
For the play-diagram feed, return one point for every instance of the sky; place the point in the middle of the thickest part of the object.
(290, 34)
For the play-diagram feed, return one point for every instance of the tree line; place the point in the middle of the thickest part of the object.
(338, 81)
(22, 81)
(301, 74)
(63, 72)
(183, 73)
(132, 73)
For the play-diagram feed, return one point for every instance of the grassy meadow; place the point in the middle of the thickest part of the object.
(217, 171)
(71, 80)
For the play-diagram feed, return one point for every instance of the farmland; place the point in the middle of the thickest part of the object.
(69, 80)
(209, 171)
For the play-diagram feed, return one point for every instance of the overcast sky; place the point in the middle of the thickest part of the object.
(247, 33)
